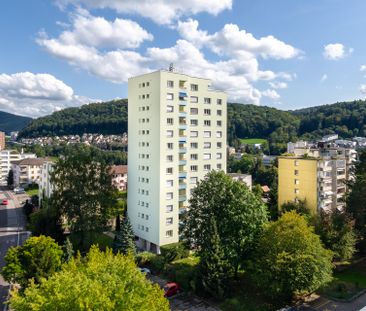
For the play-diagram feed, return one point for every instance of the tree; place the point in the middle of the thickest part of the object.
(213, 268)
(39, 257)
(290, 258)
(124, 240)
(238, 213)
(337, 234)
(83, 193)
(356, 200)
(68, 250)
(299, 207)
(101, 281)
(10, 179)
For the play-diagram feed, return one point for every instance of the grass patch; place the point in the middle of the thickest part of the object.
(31, 192)
(252, 141)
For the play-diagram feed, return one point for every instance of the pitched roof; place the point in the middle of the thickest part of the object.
(30, 161)
(119, 169)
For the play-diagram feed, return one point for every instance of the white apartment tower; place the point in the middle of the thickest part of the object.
(176, 135)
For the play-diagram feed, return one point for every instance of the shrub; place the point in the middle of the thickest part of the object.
(174, 251)
(184, 272)
(145, 258)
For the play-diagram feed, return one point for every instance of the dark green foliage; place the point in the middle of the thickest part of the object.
(238, 213)
(104, 118)
(28, 208)
(10, 179)
(174, 251)
(68, 250)
(83, 193)
(124, 240)
(12, 123)
(299, 207)
(38, 258)
(214, 269)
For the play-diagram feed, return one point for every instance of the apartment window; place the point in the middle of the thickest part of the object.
(169, 108)
(297, 182)
(207, 123)
(206, 167)
(218, 155)
(169, 145)
(147, 95)
(218, 134)
(169, 233)
(193, 180)
(194, 134)
(169, 221)
(194, 168)
(296, 163)
(194, 145)
(194, 111)
(194, 122)
(219, 166)
(219, 123)
(296, 172)
(207, 112)
(170, 84)
(169, 208)
(206, 134)
(219, 112)
(169, 195)
(169, 133)
(219, 145)
(194, 99)
(169, 158)
(194, 87)
(169, 170)
(219, 101)
(169, 121)
(147, 229)
(206, 145)
(169, 183)
(206, 156)
(194, 156)
(169, 96)
(147, 83)
(207, 100)
(297, 191)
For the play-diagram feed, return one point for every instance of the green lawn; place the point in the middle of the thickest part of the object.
(354, 274)
(252, 141)
(32, 192)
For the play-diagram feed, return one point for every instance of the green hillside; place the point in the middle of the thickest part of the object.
(11, 122)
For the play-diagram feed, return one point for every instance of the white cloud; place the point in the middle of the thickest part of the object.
(363, 89)
(363, 68)
(324, 77)
(272, 94)
(336, 51)
(30, 94)
(160, 11)
(278, 85)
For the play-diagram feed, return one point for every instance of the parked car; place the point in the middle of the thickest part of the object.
(5, 202)
(171, 289)
(19, 190)
(145, 270)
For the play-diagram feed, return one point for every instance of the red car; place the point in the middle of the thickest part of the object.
(5, 202)
(171, 289)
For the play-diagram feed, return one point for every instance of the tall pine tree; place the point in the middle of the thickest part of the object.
(124, 240)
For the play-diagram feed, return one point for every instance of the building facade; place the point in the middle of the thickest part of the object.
(2, 140)
(27, 171)
(317, 173)
(8, 156)
(119, 177)
(45, 185)
(177, 134)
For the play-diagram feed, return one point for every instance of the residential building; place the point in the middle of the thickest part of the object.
(8, 156)
(316, 172)
(27, 171)
(244, 178)
(268, 160)
(2, 140)
(45, 185)
(119, 177)
(177, 134)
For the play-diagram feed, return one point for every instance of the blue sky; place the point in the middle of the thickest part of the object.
(282, 53)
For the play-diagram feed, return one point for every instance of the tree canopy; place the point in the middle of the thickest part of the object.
(99, 282)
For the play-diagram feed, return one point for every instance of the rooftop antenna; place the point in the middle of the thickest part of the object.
(171, 67)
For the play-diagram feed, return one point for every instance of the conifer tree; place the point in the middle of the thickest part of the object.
(124, 240)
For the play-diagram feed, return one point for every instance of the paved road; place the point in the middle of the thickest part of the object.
(12, 222)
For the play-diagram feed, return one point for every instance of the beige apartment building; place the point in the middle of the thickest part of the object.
(177, 134)
(27, 171)
(2, 140)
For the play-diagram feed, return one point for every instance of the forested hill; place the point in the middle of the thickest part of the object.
(347, 119)
(104, 118)
(11, 122)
